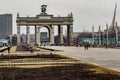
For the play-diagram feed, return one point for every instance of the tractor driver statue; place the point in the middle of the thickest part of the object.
(43, 9)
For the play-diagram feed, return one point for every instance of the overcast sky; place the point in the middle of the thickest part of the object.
(85, 12)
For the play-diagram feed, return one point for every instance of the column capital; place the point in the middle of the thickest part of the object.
(18, 26)
(70, 25)
(27, 26)
(51, 26)
(37, 26)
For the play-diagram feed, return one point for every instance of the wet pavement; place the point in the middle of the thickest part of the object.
(108, 58)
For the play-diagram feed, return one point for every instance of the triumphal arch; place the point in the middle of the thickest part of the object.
(48, 21)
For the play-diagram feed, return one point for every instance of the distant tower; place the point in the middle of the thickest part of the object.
(5, 25)
(112, 26)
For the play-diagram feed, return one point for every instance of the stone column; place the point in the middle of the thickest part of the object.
(60, 34)
(37, 34)
(28, 34)
(69, 34)
(18, 35)
(52, 35)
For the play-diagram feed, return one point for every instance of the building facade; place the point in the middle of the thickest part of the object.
(5, 25)
(45, 20)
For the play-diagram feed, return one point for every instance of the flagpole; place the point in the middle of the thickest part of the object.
(116, 31)
(93, 38)
(99, 36)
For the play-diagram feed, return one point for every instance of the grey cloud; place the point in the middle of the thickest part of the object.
(86, 12)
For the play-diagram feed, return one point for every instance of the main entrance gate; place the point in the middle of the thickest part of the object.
(45, 20)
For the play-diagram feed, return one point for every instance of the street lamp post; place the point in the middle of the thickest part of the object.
(99, 35)
(116, 32)
(93, 38)
(107, 35)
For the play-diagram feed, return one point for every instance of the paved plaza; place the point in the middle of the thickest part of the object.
(109, 58)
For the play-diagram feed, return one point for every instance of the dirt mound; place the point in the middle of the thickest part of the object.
(69, 72)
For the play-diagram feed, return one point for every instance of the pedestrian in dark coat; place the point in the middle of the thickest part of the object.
(8, 49)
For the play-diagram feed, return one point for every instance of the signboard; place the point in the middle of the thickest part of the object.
(44, 17)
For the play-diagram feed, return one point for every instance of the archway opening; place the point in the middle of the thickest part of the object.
(32, 35)
(44, 35)
(23, 34)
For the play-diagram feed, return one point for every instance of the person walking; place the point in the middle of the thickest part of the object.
(85, 45)
(31, 49)
(8, 49)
